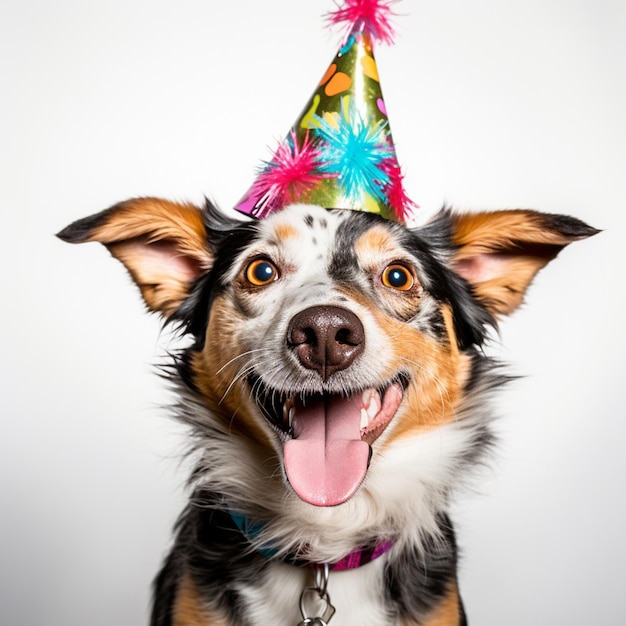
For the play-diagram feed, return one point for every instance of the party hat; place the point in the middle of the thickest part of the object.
(340, 153)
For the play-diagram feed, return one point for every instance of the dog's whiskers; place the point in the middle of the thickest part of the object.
(236, 358)
(241, 373)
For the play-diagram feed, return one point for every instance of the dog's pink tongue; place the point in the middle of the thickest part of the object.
(326, 460)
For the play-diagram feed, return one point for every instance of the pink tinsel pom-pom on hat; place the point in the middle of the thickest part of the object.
(340, 153)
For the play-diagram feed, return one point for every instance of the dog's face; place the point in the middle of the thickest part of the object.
(343, 350)
(333, 333)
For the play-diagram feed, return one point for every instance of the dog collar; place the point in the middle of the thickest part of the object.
(356, 558)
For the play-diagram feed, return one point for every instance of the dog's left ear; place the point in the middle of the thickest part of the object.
(500, 252)
(163, 245)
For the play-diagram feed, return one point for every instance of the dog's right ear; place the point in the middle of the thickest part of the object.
(163, 245)
(499, 252)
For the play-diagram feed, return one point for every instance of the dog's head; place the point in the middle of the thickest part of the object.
(330, 337)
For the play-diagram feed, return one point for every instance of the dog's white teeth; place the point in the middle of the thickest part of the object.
(371, 403)
(364, 419)
(366, 398)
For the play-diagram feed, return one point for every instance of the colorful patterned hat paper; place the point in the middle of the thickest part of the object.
(340, 153)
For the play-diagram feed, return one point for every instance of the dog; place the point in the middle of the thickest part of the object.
(337, 392)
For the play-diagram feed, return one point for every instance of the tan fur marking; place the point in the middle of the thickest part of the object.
(437, 371)
(435, 387)
(218, 365)
(157, 220)
(373, 244)
(446, 614)
(446, 312)
(188, 609)
(495, 230)
(285, 231)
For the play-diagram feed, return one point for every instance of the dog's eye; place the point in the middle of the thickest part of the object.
(261, 272)
(396, 276)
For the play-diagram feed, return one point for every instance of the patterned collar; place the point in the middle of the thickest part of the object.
(357, 558)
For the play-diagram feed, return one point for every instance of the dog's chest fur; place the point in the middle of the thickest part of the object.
(357, 595)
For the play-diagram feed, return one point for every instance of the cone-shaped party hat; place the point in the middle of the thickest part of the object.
(340, 153)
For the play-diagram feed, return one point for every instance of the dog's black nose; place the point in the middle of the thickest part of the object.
(326, 338)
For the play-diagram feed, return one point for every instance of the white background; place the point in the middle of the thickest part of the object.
(492, 104)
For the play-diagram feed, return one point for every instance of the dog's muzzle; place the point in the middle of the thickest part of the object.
(327, 434)
(327, 427)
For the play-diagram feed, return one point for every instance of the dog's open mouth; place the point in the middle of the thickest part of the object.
(327, 438)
